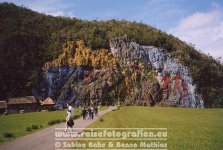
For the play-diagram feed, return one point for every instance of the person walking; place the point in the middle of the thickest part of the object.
(92, 112)
(89, 112)
(96, 110)
(84, 112)
(70, 117)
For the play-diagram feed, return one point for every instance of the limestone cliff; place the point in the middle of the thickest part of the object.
(177, 85)
(81, 75)
(128, 74)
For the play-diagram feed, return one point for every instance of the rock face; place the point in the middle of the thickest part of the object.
(59, 82)
(177, 85)
(69, 83)
(81, 76)
(128, 74)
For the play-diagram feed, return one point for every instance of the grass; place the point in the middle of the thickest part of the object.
(17, 125)
(103, 108)
(187, 128)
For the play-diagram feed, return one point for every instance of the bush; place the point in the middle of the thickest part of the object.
(166, 103)
(101, 119)
(8, 135)
(28, 129)
(51, 122)
(58, 121)
(35, 126)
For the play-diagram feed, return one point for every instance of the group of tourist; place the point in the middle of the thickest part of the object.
(89, 112)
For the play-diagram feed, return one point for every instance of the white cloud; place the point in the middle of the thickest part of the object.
(51, 7)
(56, 13)
(204, 29)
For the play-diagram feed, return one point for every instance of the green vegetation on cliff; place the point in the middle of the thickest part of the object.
(29, 39)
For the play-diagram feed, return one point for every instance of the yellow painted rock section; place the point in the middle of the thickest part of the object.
(76, 54)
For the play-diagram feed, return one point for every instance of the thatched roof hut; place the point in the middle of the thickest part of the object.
(3, 105)
(22, 100)
(48, 101)
(47, 104)
(18, 104)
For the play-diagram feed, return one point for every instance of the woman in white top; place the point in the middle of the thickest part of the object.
(70, 117)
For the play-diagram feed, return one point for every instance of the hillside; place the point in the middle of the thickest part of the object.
(30, 40)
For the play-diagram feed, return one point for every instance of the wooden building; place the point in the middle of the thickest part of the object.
(18, 104)
(47, 104)
(3, 107)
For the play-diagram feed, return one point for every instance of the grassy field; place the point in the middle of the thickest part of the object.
(15, 125)
(191, 129)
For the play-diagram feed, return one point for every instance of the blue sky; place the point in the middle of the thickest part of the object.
(195, 21)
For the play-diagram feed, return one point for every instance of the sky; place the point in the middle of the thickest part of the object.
(199, 22)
